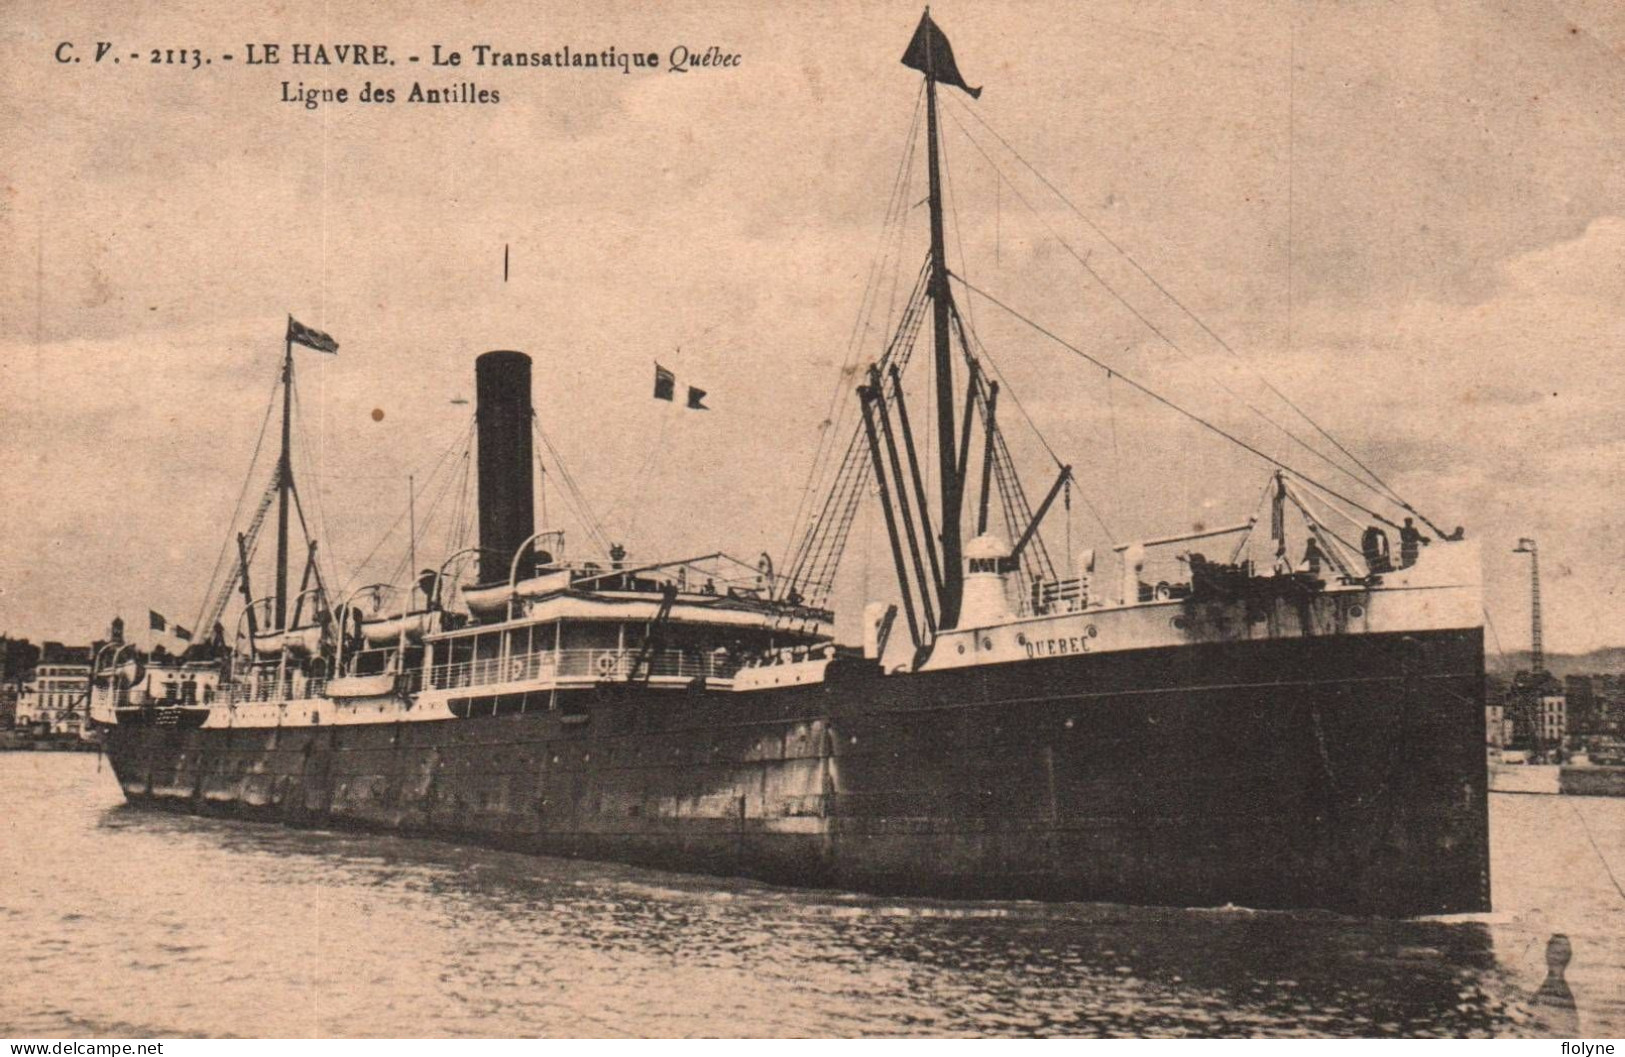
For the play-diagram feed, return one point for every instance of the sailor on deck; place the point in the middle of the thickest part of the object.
(1411, 541)
(1313, 556)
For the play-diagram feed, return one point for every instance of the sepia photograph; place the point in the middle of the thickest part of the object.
(824, 520)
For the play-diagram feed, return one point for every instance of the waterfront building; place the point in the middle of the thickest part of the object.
(1552, 714)
(55, 696)
(1495, 725)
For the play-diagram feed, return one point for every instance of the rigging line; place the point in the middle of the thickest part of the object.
(1198, 320)
(817, 559)
(1005, 388)
(904, 206)
(422, 525)
(541, 482)
(1145, 321)
(457, 527)
(865, 307)
(1339, 511)
(299, 508)
(1320, 522)
(1593, 840)
(461, 441)
(826, 472)
(1038, 551)
(1247, 535)
(465, 522)
(402, 567)
(590, 523)
(1506, 663)
(904, 334)
(849, 476)
(242, 494)
(458, 508)
(1159, 398)
(573, 495)
(318, 503)
(953, 207)
(1117, 455)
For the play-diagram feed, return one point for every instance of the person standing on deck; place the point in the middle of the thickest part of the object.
(1410, 542)
(1313, 556)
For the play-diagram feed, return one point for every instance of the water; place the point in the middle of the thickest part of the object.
(119, 922)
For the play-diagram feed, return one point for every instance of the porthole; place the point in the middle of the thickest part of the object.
(1021, 638)
(1178, 622)
(1356, 611)
(961, 647)
(1091, 631)
(987, 644)
(1071, 723)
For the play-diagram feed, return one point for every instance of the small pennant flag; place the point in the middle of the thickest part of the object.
(310, 337)
(930, 53)
(156, 621)
(184, 634)
(665, 384)
(696, 399)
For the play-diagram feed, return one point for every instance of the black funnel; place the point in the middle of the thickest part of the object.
(507, 499)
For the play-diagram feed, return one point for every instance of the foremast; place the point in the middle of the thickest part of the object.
(284, 484)
(930, 53)
(952, 490)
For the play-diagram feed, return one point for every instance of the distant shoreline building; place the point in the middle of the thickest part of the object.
(57, 694)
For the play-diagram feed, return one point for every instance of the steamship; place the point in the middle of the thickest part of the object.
(1174, 721)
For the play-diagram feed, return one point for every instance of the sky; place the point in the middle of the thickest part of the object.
(1408, 218)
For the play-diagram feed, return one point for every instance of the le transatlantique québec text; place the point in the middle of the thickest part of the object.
(445, 60)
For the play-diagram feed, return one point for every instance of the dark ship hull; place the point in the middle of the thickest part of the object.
(1344, 772)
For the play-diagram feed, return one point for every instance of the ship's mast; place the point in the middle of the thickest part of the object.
(284, 479)
(942, 308)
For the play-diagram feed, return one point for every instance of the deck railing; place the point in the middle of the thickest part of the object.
(288, 688)
(606, 664)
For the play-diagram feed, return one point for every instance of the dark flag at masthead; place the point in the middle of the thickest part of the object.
(665, 384)
(310, 337)
(696, 399)
(930, 53)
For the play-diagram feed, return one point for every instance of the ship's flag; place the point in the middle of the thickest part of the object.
(665, 384)
(696, 399)
(310, 337)
(184, 634)
(930, 53)
(156, 621)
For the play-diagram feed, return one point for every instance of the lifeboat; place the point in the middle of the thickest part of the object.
(489, 600)
(544, 585)
(388, 630)
(302, 642)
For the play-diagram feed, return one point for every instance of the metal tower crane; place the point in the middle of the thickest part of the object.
(1537, 656)
(1529, 696)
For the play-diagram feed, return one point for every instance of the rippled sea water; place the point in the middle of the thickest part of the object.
(121, 922)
